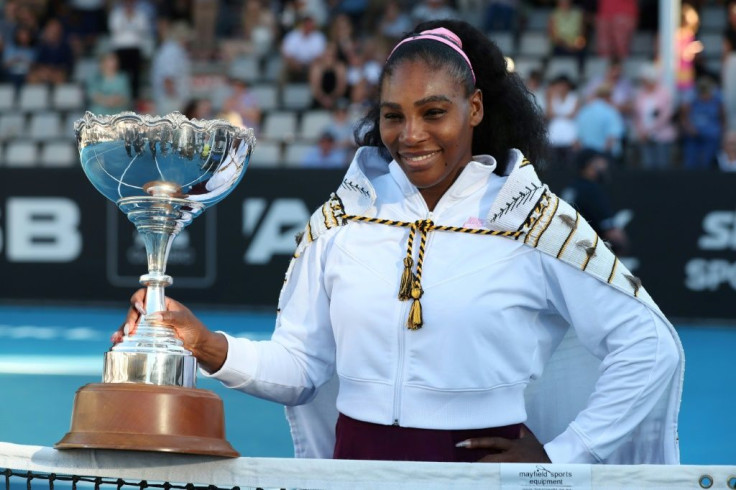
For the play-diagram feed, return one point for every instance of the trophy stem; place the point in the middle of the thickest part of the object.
(154, 354)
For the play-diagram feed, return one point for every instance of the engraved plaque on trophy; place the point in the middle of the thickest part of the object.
(162, 172)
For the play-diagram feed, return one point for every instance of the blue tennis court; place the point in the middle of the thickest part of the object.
(47, 353)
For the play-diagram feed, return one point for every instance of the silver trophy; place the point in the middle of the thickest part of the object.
(162, 172)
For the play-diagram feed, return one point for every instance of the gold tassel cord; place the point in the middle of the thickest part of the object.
(415, 320)
(407, 278)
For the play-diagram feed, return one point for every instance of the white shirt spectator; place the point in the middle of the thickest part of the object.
(302, 47)
(129, 31)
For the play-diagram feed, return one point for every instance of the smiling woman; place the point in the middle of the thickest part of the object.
(427, 124)
(444, 305)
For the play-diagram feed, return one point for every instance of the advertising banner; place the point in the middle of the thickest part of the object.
(62, 241)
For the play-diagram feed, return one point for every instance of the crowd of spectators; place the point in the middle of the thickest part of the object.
(153, 55)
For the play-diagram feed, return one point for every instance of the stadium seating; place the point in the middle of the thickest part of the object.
(296, 96)
(7, 97)
(59, 153)
(295, 153)
(266, 154)
(34, 97)
(563, 66)
(245, 68)
(534, 44)
(312, 124)
(68, 97)
(21, 153)
(44, 115)
(45, 125)
(12, 125)
(280, 126)
(267, 96)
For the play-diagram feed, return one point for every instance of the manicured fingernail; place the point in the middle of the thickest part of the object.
(139, 306)
(465, 443)
(115, 337)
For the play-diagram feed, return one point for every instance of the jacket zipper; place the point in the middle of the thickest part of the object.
(399, 379)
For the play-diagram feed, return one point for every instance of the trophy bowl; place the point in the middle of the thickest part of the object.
(162, 172)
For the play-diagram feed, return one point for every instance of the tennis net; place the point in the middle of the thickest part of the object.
(38, 468)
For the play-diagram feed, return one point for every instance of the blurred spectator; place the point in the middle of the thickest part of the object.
(688, 48)
(590, 10)
(300, 47)
(199, 109)
(204, 19)
(28, 18)
(130, 35)
(567, 32)
(342, 34)
(622, 89)
(325, 154)
(364, 72)
(562, 107)
(150, 10)
(257, 34)
(327, 79)
(588, 196)
(242, 101)
(172, 11)
(293, 11)
(728, 76)
(171, 70)
(8, 22)
(654, 130)
(616, 22)
(535, 85)
(54, 57)
(18, 56)
(342, 126)
(600, 126)
(727, 155)
(109, 90)
(432, 10)
(355, 10)
(87, 21)
(501, 15)
(702, 126)
(230, 116)
(393, 23)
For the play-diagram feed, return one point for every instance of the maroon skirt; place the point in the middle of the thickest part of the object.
(364, 440)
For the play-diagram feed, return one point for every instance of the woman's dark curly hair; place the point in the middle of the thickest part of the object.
(511, 119)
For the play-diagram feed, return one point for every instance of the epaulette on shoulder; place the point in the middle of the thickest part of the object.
(542, 220)
(329, 215)
(557, 229)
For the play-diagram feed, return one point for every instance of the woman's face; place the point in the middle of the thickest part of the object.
(427, 122)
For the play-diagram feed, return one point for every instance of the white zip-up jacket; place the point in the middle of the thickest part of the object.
(495, 309)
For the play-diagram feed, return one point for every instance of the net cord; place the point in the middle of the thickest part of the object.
(118, 469)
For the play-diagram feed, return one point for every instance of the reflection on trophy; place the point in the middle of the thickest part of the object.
(162, 172)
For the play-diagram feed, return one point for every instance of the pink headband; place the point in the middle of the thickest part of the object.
(446, 37)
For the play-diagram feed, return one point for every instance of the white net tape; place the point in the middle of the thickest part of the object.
(130, 468)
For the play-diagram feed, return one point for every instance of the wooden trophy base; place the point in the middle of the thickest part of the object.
(141, 417)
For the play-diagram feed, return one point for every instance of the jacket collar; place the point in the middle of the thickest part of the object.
(517, 197)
